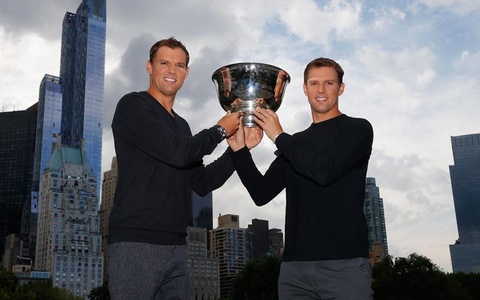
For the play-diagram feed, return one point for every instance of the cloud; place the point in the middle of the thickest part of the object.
(410, 69)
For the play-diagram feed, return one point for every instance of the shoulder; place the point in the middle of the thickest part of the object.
(356, 121)
(359, 125)
(134, 100)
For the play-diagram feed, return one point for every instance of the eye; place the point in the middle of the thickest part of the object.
(182, 66)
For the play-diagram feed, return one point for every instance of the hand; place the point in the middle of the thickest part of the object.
(237, 140)
(253, 136)
(230, 122)
(268, 120)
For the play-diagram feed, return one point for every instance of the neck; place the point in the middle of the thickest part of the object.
(324, 117)
(165, 101)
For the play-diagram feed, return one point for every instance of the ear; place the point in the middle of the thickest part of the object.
(305, 90)
(148, 66)
(342, 88)
(187, 71)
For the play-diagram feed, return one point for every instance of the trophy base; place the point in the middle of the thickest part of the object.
(247, 107)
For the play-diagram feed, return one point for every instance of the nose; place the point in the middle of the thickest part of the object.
(171, 69)
(321, 88)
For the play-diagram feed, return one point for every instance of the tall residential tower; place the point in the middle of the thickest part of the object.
(82, 71)
(375, 215)
(465, 179)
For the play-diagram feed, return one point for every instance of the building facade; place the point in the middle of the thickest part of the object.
(82, 71)
(375, 216)
(228, 245)
(17, 144)
(257, 239)
(275, 241)
(465, 180)
(204, 272)
(49, 118)
(109, 184)
(202, 211)
(69, 244)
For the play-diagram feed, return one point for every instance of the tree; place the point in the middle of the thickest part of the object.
(100, 293)
(258, 280)
(8, 283)
(414, 277)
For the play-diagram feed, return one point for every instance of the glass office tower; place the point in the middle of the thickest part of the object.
(17, 142)
(375, 215)
(49, 117)
(465, 179)
(82, 70)
(202, 211)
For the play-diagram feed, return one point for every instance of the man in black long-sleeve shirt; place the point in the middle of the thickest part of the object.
(159, 163)
(323, 170)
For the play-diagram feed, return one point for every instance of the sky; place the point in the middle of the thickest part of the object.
(411, 69)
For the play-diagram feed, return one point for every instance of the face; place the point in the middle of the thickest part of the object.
(167, 71)
(322, 90)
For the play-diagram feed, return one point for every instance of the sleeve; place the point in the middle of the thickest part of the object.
(205, 179)
(138, 122)
(351, 146)
(262, 188)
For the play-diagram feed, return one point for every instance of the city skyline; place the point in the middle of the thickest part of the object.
(410, 68)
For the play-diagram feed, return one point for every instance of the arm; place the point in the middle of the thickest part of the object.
(343, 149)
(204, 179)
(142, 123)
(262, 188)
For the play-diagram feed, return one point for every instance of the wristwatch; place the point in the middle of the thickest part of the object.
(222, 131)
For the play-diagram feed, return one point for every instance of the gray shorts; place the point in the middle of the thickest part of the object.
(329, 279)
(147, 271)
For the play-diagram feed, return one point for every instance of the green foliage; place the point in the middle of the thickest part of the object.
(10, 289)
(258, 280)
(8, 283)
(415, 277)
(100, 293)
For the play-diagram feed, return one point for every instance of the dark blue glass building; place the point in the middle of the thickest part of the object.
(17, 144)
(465, 178)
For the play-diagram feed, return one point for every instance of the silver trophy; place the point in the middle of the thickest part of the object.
(248, 85)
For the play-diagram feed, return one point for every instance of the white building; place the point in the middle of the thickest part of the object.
(68, 239)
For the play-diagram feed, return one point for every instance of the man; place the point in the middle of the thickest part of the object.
(323, 170)
(159, 163)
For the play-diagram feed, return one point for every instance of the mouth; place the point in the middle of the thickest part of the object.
(321, 99)
(170, 79)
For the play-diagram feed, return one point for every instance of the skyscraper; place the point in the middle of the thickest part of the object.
(202, 212)
(257, 239)
(49, 118)
(109, 183)
(375, 215)
(465, 180)
(228, 244)
(68, 236)
(203, 270)
(17, 143)
(82, 71)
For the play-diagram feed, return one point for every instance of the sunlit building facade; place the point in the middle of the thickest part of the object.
(465, 180)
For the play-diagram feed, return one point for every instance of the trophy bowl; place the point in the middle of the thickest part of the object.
(248, 85)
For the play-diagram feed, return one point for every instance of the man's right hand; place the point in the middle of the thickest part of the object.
(230, 122)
